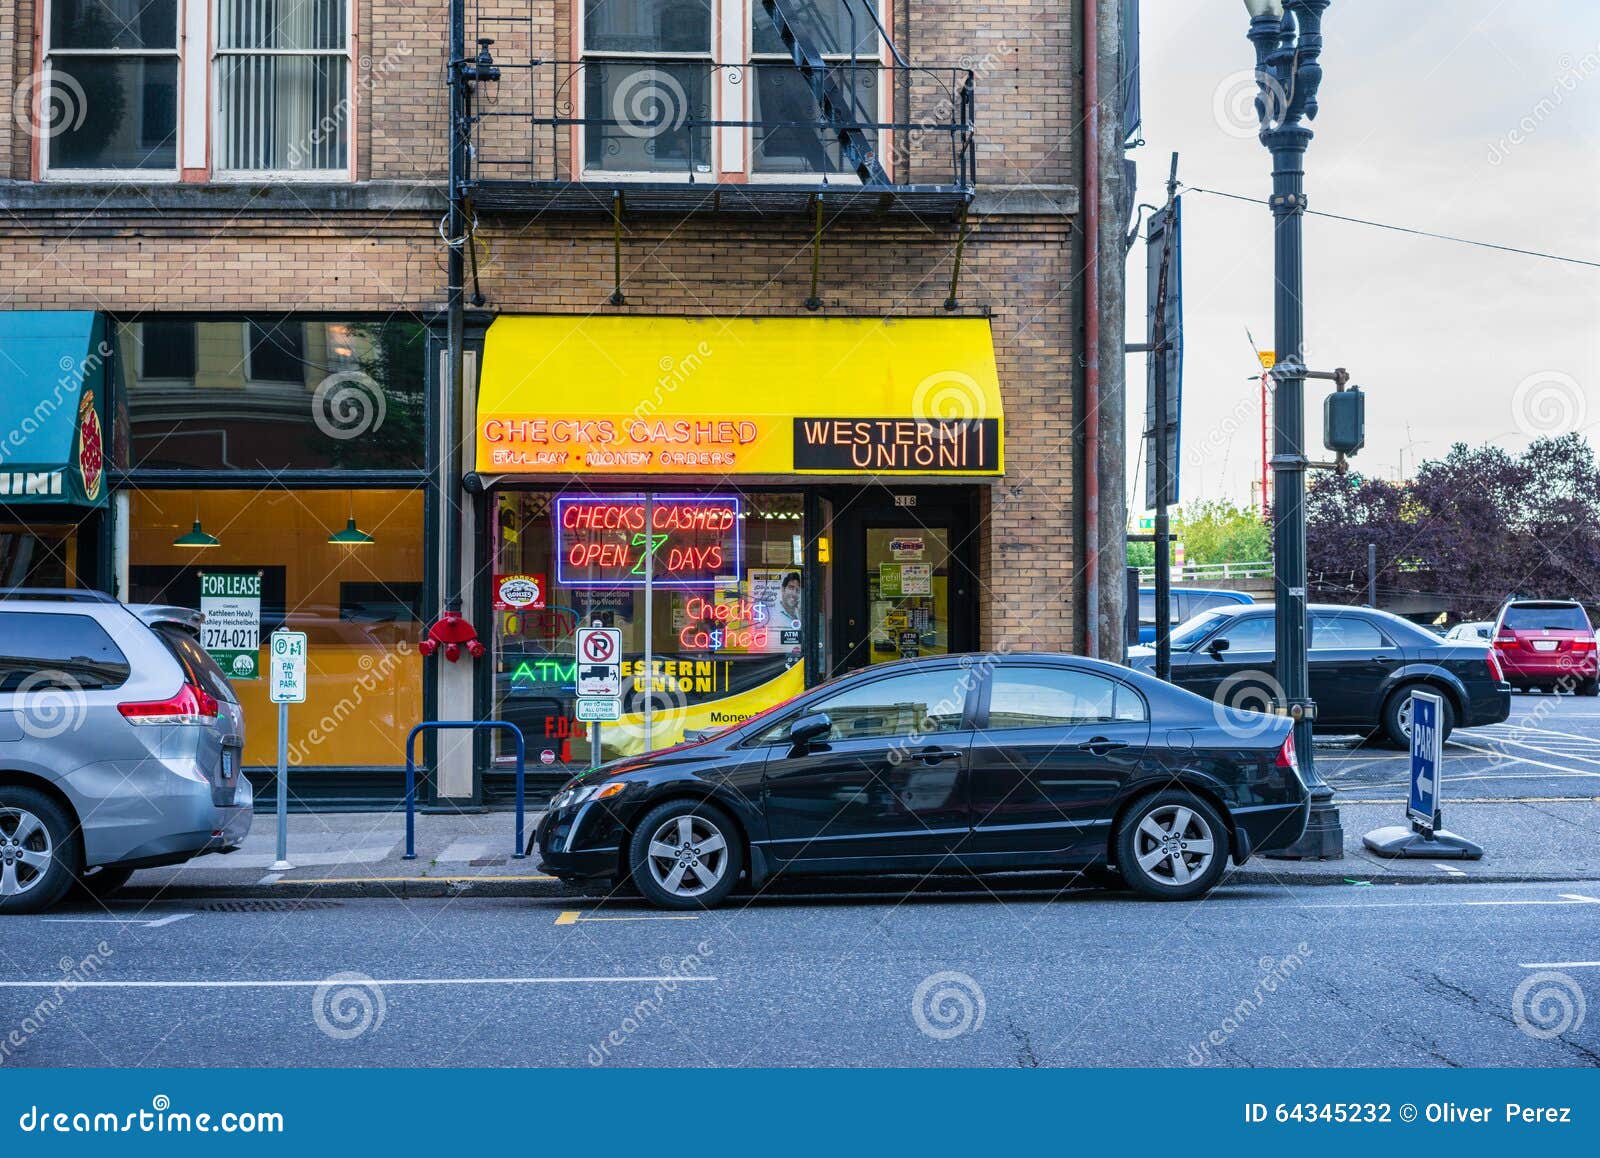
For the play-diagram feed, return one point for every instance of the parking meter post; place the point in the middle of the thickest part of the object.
(282, 863)
(411, 795)
(594, 746)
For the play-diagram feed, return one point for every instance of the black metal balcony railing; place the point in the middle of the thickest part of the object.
(577, 135)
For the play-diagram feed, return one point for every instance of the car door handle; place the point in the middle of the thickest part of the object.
(1383, 659)
(1099, 745)
(938, 755)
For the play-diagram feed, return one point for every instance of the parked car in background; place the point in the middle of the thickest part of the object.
(948, 764)
(1187, 602)
(1548, 644)
(119, 745)
(1363, 665)
(1481, 632)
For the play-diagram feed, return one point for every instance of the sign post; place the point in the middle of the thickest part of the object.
(1425, 838)
(286, 677)
(599, 680)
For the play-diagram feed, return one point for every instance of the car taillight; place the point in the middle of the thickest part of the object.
(1506, 640)
(1583, 644)
(1286, 756)
(1496, 672)
(191, 705)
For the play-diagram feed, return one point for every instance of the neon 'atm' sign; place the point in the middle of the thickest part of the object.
(602, 540)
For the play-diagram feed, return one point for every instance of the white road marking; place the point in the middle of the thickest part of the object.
(1570, 899)
(144, 922)
(1524, 760)
(270, 879)
(381, 982)
(1451, 869)
(1558, 964)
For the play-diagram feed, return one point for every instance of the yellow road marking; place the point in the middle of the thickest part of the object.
(573, 917)
(569, 918)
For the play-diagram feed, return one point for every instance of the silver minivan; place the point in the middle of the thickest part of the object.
(120, 743)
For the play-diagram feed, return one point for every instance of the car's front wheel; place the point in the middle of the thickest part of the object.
(685, 854)
(1172, 846)
(39, 852)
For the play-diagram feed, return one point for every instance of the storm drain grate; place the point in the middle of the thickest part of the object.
(266, 906)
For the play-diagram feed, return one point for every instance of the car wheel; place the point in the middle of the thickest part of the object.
(1397, 718)
(1589, 688)
(1172, 846)
(685, 854)
(97, 885)
(39, 851)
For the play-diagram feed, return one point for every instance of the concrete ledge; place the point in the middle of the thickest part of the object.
(280, 198)
(1025, 201)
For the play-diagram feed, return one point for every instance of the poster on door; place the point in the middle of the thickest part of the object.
(775, 602)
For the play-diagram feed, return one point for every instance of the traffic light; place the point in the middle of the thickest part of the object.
(1344, 421)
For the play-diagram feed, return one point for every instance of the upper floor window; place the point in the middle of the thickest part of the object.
(111, 75)
(127, 88)
(282, 86)
(787, 137)
(647, 81)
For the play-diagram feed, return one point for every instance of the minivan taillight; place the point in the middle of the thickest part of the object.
(191, 705)
(1505, 639)
(1286, 756)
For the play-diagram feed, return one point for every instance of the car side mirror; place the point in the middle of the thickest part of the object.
(1216, 647)
(809, 728)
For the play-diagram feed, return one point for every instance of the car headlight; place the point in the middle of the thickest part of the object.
(582, 794)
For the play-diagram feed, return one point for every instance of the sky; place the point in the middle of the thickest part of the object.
(1475, 118)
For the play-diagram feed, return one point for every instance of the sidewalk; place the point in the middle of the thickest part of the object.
(358, 854)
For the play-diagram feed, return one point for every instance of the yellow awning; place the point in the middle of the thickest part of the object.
(746, 396)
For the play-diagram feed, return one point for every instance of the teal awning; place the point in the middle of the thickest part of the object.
(53, 370)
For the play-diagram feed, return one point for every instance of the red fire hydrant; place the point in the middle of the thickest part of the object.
(452, 632)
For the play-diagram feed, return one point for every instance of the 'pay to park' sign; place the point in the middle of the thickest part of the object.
(286, 673)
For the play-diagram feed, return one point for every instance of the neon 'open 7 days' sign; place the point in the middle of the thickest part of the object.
(602, 540)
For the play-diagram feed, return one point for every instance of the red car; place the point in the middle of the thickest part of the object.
(1548, 644)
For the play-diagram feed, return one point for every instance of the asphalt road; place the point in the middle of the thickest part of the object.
(1398, 975)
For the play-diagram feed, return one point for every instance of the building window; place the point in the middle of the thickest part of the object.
(647, 85)
(272, 393)
(167, 351)
(111, 86)
(282, 85)
(788, 137)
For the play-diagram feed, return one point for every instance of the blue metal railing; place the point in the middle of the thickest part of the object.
(517, 852)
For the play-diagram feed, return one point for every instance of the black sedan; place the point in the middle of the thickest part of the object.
(958, 763)
(1363, 664)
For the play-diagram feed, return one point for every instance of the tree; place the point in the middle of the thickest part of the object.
(1219, 531)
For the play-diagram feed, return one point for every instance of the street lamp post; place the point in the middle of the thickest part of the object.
(1287, 35)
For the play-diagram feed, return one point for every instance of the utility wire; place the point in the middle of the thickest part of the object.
(1407, 229)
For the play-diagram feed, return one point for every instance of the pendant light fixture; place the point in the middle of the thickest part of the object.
(352, 535)
(197, 537)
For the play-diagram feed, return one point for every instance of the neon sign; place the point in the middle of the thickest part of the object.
(602, 540)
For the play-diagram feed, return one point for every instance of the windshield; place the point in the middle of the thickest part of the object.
(1545, 617)
(1192, 631)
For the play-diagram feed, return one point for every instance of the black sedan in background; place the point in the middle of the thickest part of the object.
(1364, 665)
(958, 763)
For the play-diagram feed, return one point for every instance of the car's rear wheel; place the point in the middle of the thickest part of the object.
(685, 854)
(1172, 846)
(39, 851)
(1589, 688)
(100, 883)
(1397, 717)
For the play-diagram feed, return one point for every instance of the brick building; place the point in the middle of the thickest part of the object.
(819, 329)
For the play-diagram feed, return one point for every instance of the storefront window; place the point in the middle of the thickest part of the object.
(728, 625)
(285, 392)
(358, 602)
